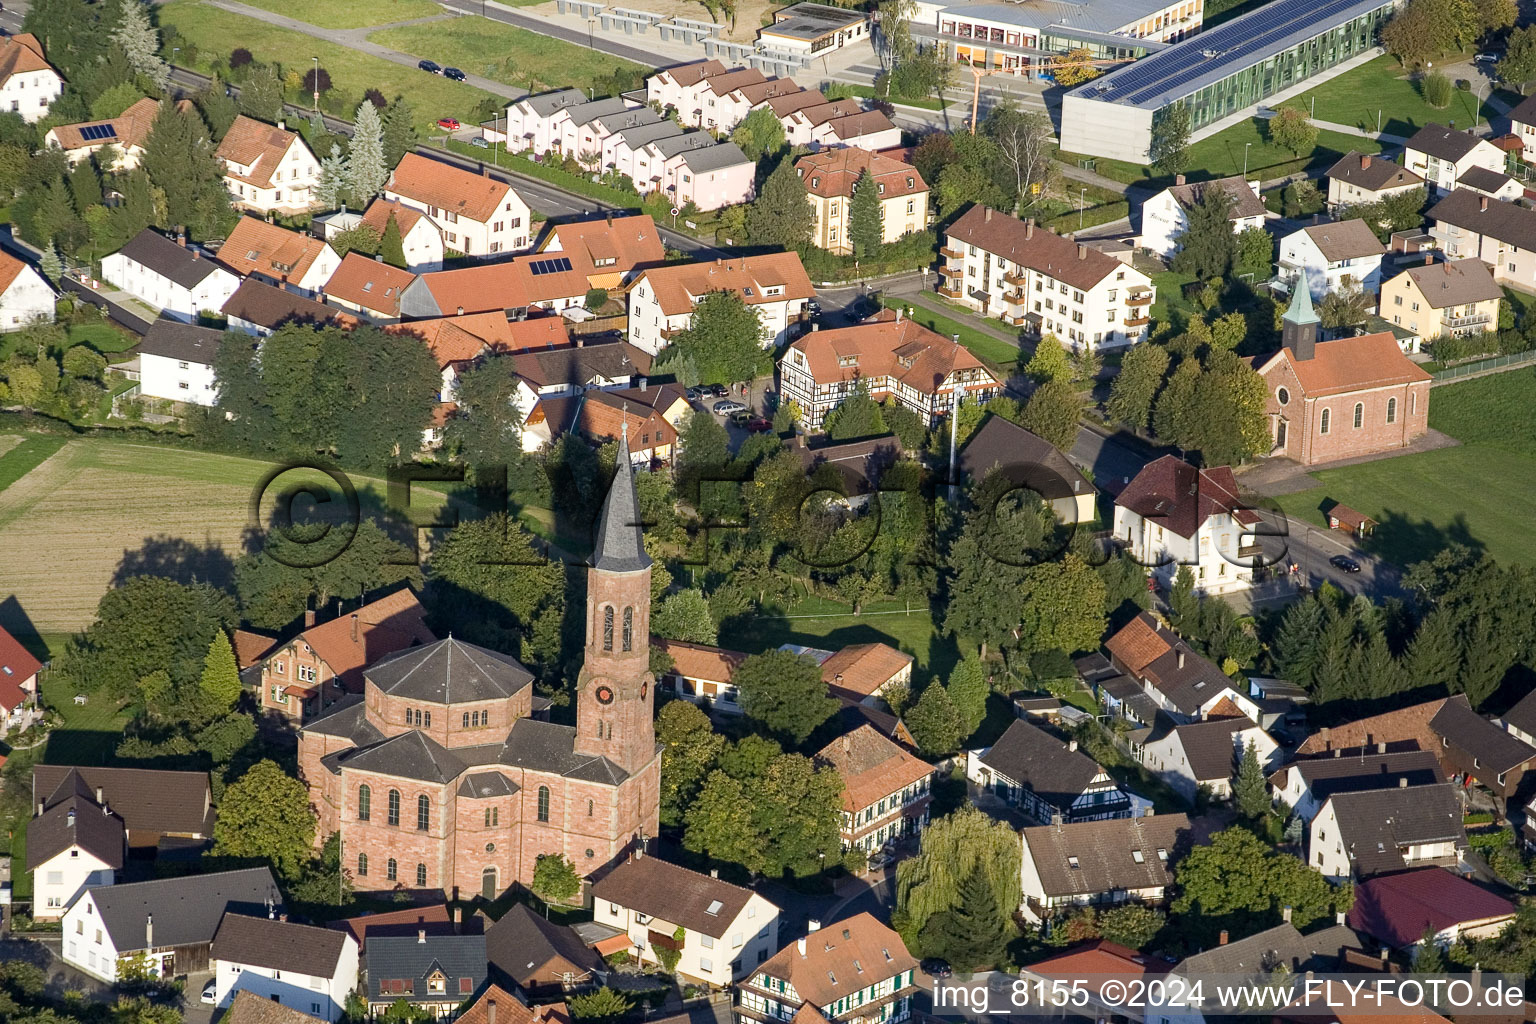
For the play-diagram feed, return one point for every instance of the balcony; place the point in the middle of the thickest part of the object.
(951, 291)
(1138, 299)
(1137, 321)
(1015, 278)
(1456, 323)
(1246, 551)
(952, 271)
(1015, 321)
(953, 254)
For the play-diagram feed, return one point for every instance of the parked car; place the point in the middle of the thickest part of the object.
(1486, 58)
(211, 992)
(430, 65)
(718, 390)
(741, 417)
(449, 124)
(1344, 563)
(813, 307)
(696, 394)
(479, 142)
(879, 860)
(936, 968)
(758, 424)
(453, 73)
(727, 406)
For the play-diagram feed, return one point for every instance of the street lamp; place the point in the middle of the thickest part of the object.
(1478, 112)
(590, 21)
(1082, 204)
(316, 83)
(1246, 147)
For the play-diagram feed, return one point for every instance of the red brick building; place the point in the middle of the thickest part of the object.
(1331, 400)
(441, 777)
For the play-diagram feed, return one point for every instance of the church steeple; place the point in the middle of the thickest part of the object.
(620, 544)
(1298, 326)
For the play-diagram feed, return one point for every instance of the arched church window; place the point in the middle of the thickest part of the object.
(608, 628)
(629, 628)
(543, 803)
(364, 802)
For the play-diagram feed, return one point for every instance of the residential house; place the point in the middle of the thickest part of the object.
(886, 791)
(249, 1008)
(611, 250)
(125, 133)
(890, 356)
(1165, 217)
(1180, 682)
(74, 842)
(721, 932)
(1440, 155)
(454, 348)
(1405, 728)
(709, 177)
(18, 676)
(325, 662)
(160, 810)
(1519, 721)
(1523, 126)
(605, 129)
(176, 362)
(650, 415)
(858, 465)
(1259, 956)
(432, 973)
(1192, 756)
(1332, 400)
(575, 133)
(1110, 860)
(661, 299)
(621, 147)
(676, 87)
(854, 969)
(1358, 179)
(1045, 777)
(167, 924)
(1473, 749)
(434, 919)
(298, 262)
(572, 369)
(1372, 832)
(1173, 515)
(728, 104)
(26, 297)
(1029, 461)
(369, 287)
(1031, 277)
(805, 114)
(540, 957)
(1502, 235)
(259, 309)
(867, 129)
(866, 672)
(267, 168)
(28, 83)
(709, 107)
(829, 178)
(1493, 184)
(476, 214)
(529, 125)
(1100, 963)
(1455, 298)
(496, 1005)
(169, 277)
(310, 969)
(1398, 909)
(420, 240)
(1339, 257)
(701, 673)
(1305, 785)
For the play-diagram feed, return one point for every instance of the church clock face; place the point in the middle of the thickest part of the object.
(604, 695)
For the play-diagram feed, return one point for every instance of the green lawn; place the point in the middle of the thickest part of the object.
(819, 623)
(90, 732)
(1479, 494)
(103, 337)
(26, 457)
(868, 92)
(1381, 88)
(216, 32)
(1222, 156)
(349, 13)
(993, 350)
(505, 53)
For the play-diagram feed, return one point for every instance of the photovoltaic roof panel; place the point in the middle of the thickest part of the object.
(1212, 55)
(554, 266)
(97, 132)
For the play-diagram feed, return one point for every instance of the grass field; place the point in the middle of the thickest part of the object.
(104, 338)
(348, 14)
(1479, 494)
(504, 53)
(994, 350)
(815, 622)
(1381, 87)
(217, 32)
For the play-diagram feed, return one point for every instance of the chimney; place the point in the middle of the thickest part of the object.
(39, 808)
(354, 627)
(1365, 161)
(813, 925)
(198, 255)
(1056, 819)
(1385, 955)
(149, 931)
(1071, 746)
(1326, 733)
(1338, 917)
(421, 936)
(1029, 228)
(1381, 748)
(1082, 251)
(640, 851)
(309, 618)
(719, 261)
(898, 314)
(282, 125)
(1181, 659)
(800, 945)
(644, 384)
(608, 216)
(1285, 914)
(490, 1011)
(181, 239)
(378, 257)
(800, 440)
(1482, 202)
(1402, 783)
(70, 819)
(1222, 941)
(461, 311)
(101, 796)
(714, 872)
(581, 342)
(988, 216)
(458, 922)
(815, 326)
(1150, 811)
(1178, 179)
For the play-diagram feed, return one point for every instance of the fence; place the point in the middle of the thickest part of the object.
(1484, 366)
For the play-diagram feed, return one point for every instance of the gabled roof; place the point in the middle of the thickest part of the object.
(691, 74)
(1372, 172)
(825, 111)
(173, 339)
(610, 244)
(854, 126)
(679, 287)
(1036, 760)
(734, 79)
(346, 643)
(1210, 747)
(699, 661)
(279, 945)
(789, 103)
(551, 747)
(449, 188)
(436, 919)
(128, 129)
(841, 959)
(650, 885)
(271, 307)
(1245, 203)
(580, 365)
(21, 54)
(255, 246)
(449, 672)
(713, 158)
(1106, 853)
(1281, 945)
(1443, 143)
(12, 268)
(1345, 240)
(1477, 213)
(381, 210)
(249, 1008)
(148, 800)
(1180, 498)
(1522, 716)
(1483, 180)
(644, 134)
(1376, 825)
(834, 172)
(872, 767)
(861, 669)
(155, 252)
(1030, 245)
(1397, 909)
(257, 145)
(181, 911)
(546, 103)
(399, 967)
(498, 1006)
(1455, 283)
(1497, 751)
(603, 415)
(71, 817)
(1401, 725)
(1099, 957)
(887, 345)
(1367, 769)
(16, 662)
(369, 283)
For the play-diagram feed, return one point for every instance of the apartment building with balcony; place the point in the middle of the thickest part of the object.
(1338, 257)
(1028, 276)
(886, 790)
(1441, 155)
(854, 970)
(1502, 235)
(1455, 298)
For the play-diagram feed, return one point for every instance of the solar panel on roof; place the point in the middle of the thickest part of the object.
(97, 132)
(554, 266)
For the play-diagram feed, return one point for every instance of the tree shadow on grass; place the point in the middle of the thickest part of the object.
(177, 558)
(1404, 540)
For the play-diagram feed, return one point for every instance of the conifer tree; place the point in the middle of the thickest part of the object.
(366, 169)
(221, 674)
(1251, 792)
(392, 247)
(973, 935)
(864, 217)
(140, 42)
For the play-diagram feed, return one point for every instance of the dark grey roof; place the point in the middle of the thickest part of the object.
(1091, 667)
(399, 966)
(1105, 852)
(1036, 760)
(1327, 776)
(153, 250)
(72, 817)
(522, 943)
(1444, 143)
(410, 755)
(279, 945)
(545, 367)
(182, 911)
(175, 340)
(148, 800)
(546, 746)
(267, 306)
(1496, 750)
(712, 158)
(449, 672)
(620, 545)
(1375, 824)
(485, 784)
(1523, 715)
(639, 136)
(672, 145)
(1210, 748)
(1484, 180)
(1026, 459)
(1280, 945)
(348, 719)
(1475, 212)
(1372, 172)
(586, 113)
(632, 118)
(546, 103)
(650, 885)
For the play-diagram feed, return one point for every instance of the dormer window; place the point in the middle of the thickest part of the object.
(880, 188)
(815, 183)
(747, 292)
(847, 360)
(911, 183)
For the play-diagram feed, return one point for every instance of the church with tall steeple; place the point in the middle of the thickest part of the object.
(445, 775)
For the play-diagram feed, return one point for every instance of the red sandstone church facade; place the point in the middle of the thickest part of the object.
(443, 775)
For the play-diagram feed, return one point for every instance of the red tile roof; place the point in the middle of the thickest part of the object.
(830, 966)
(1180, 498)
(353, 640)
(451, 189)
(691, 74)
(1348, 364)
(380, 210)
(255, 246)
(887, 347)
(679, 287)
(10, 268)
(1397, 908)
(1029, 245)
(1139, 643)
(1397, 726)
(1099, 957)
(20, 54)
(16, 667)
(449, 342)
(700, 661)
(130, 128)
(257, 145)
(833, 172)
(251, 647)
(369, 284)
(861, 669)
(872, 767)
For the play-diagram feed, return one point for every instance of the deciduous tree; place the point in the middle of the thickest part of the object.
(1292, 128)
(690, 751)
(1074, 68)
(487, 425)
(1208, 244)
(935, 723)
(952, 849)
(555, 879)
(265, 813)
(783, 692)
(1170, 140)
(1135, 387)
(685, 616)
(856, 416)
(724, 340)
(968, 690)
(1053, 411)
(759, 134)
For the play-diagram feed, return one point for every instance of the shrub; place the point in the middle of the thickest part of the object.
(239, 58)
(1436, 89)
(596, 299)
(376, 98)
(317, 79)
